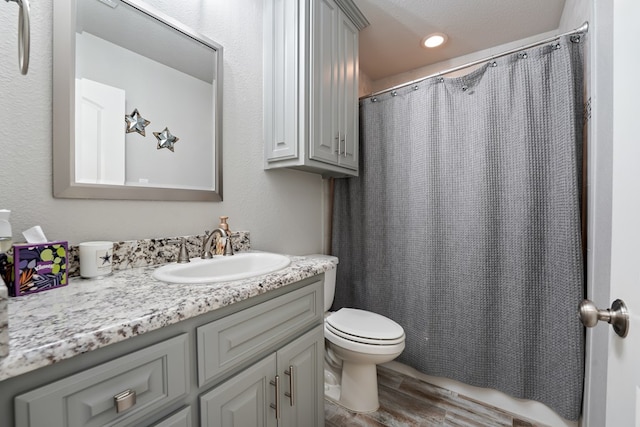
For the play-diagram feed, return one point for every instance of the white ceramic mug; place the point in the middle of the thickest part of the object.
(96, 259)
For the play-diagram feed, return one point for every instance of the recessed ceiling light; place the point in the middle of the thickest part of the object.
(434, 40)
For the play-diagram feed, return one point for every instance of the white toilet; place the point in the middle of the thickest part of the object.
(355, 342)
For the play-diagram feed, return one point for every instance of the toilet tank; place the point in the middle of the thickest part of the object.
(329, 279)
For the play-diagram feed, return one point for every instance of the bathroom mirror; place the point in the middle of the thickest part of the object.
(137, 100)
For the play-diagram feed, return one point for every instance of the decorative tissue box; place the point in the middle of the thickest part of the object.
(35, 267)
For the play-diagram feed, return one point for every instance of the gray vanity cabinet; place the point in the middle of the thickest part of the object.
(290, 377)
(214, 369)
(283, 390)
(311, 85)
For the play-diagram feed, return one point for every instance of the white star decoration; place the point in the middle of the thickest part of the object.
(136, 123)
(165, 139)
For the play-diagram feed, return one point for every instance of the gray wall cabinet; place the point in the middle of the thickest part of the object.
(311, 85)
(217, 369)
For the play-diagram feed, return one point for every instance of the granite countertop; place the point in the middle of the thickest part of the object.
(51, 326)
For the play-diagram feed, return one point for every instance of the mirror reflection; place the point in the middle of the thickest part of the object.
(146, 105)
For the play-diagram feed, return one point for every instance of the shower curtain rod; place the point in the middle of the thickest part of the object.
(580, 30)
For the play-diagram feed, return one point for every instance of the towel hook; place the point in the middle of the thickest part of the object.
(24, 35)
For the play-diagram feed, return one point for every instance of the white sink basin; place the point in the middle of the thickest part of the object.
(222, 268)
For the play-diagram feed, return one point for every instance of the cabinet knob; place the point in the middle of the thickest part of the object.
(124, 400)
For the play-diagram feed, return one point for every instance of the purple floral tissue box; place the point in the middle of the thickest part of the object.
(35, 267)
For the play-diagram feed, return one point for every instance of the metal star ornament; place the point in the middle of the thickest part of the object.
(136, 123)
(165, 139)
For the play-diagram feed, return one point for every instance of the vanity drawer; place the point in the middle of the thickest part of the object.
(158, 375)
(234, 340)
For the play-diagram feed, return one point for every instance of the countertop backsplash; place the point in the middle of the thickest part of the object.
(149, 252)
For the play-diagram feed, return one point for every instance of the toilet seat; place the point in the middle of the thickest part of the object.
(371, 350)
(364, 327)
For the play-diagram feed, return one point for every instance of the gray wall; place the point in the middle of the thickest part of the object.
(282, 209)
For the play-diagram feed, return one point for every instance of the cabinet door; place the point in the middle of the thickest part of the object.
(244, 400)
(347, 93)
(182, 418)
(323, 145)
(282, 29)
(301, 367)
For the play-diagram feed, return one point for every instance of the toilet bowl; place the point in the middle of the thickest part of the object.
(361, 340)
(355, 342)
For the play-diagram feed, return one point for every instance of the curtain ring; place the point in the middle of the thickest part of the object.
(523, 55)
(576, 38)
(394, 93)
(374, 99)
(415, 87)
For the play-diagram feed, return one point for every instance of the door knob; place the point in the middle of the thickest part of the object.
(617, 316)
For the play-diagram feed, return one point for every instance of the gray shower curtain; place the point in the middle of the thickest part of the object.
(464, 225)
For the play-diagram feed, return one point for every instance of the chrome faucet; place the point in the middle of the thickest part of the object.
(209, 243)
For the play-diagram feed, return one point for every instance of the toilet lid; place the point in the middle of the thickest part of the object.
(364, 326)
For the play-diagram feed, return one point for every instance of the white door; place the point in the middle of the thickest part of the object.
(100, 130)
(612, 395)
(623, 370)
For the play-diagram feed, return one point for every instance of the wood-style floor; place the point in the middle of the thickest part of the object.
(409, 402)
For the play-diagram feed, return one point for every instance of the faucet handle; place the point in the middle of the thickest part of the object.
(183, 254)
(205, 254)
(228, 247)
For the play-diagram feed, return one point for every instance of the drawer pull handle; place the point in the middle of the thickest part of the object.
(124, 400)
(276, 384)
(291, 391)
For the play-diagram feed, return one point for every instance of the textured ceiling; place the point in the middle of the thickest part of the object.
(391, 44)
